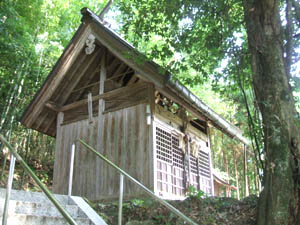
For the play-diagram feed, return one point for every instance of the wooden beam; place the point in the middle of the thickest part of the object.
(90, 107)
(78, 103)
(132, 80)
(123, 90)
(74, 83)
(118, 48)
(114, 76)
(57, 75)
(98, 82)
(126, 105)
(87, 86)
(79, 74)
(129, 99)
(107, 95)
(115, 62)
(51, 105)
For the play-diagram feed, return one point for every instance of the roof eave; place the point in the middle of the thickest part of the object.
(217, 120)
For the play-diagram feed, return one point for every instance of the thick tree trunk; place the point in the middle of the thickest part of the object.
(279, 200)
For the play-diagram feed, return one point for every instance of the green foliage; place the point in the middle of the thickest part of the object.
(33, 35)
(193, 192)
(181, 38)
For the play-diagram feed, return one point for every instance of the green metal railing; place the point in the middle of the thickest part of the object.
(16, 156)
(123, 173)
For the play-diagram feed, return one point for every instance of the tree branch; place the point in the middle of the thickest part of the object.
(105, 9)
(296, 5)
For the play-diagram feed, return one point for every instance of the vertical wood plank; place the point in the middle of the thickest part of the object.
(131, 150)
(145, 144)
(137, 154)
(107, 175)
(125, 148)
(64, 155)
(115, 156)
(76, 161)
(153, 155)
(68, 156)
(92, 171)
(58, 160)
(126, 142)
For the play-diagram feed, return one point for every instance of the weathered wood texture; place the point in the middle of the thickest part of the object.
(84, 179)
(126, 143)
(114, 100)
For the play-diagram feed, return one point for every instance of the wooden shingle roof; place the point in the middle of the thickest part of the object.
(75, 73)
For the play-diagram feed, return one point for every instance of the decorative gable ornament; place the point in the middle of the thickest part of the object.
(90, 44)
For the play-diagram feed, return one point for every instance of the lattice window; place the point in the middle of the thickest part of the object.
(204, 170)
(163, 145)
(178, 168)
(204, 164)
(194, 172)
(205, 184)
(164, 178)
(164, 162)
(178, 156)
(170, 165)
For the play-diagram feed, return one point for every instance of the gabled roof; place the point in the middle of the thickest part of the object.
(74, 67)
(218, 179)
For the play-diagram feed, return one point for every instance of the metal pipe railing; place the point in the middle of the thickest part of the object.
(71, 169)
(8, 188)
(121, 199)
(47, 192)
(122, 172)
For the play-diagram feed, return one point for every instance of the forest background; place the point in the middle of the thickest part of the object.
(215, 65)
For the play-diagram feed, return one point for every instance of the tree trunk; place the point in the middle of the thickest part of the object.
(236, 174)
(279, 200)
(246, 180)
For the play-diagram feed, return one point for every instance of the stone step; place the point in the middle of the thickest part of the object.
(24, 219)
(40, 209)
(34, 196)
(31, 208)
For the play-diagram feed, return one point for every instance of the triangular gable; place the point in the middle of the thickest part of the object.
(75, 68)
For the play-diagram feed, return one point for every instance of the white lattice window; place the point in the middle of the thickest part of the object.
(164, 160)
(194, 172)
(170, 165)
(205, 172)
(178, 160)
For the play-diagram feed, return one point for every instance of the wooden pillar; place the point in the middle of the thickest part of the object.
(210, 163)
(101, 102)
(90, 107)
(101, 107)
(57, 178)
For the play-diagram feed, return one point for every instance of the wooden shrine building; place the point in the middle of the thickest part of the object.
(130, 111)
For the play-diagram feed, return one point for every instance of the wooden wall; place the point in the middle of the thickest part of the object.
(126, 142)
(85, 177)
